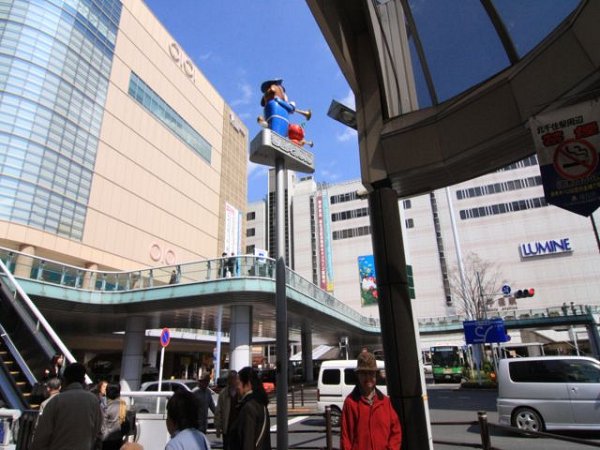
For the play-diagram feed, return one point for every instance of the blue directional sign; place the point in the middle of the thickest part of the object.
(165, 337)
(506, 289)
(485, 331)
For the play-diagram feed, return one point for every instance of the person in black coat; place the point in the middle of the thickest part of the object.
(251, 429)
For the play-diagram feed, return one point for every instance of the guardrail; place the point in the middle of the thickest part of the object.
(486, 441)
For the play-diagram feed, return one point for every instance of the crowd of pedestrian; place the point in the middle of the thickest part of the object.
(73, 416)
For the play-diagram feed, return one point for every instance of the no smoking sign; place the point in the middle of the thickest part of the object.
(575, 159)
(567, 141)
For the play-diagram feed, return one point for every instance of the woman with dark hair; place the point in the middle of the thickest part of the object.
(251, 429)
(56, 368)
(182, 423)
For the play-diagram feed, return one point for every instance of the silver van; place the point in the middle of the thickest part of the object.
(550, 392)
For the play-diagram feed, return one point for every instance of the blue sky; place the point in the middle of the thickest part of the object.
(238, 44)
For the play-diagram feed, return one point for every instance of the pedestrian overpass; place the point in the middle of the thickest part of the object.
(80, 302)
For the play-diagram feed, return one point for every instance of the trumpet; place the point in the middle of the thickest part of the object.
(307, 113)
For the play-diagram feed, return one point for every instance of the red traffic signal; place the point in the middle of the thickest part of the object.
(524, 293)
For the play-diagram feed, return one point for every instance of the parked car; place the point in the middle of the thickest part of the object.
(143, 404)
(548, 393)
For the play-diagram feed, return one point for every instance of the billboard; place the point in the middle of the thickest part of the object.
(368, 280)
(324, 242)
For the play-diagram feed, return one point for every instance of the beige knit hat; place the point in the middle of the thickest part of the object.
(366, 362)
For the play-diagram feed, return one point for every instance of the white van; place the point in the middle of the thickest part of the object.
(337, 378)
(549, 392)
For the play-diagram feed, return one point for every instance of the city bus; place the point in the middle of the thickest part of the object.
(448, 363)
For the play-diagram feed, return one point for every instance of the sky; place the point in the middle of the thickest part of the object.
(238, 44)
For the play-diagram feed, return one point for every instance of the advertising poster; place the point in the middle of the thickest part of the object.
(368, 280)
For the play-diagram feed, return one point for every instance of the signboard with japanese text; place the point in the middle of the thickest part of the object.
(324, 241)
(485, 331)
(567, 143)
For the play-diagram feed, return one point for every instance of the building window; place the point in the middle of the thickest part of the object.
(351, 233)
(251, 215)
(250, 249)
(409, 223)
(407, 204)
(55, 65)
(345, 197)
(527, 162)
(166, 115)
(495, 188)
(502, 208)
(250, 232)
(351, 214)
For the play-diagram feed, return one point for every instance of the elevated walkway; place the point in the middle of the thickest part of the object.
(190, 296)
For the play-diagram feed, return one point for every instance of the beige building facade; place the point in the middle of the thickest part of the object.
(154, 168)
(502, 218)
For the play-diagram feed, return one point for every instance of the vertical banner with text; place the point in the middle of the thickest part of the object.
(567, 143)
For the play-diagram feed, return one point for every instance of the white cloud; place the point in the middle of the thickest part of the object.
(346, 135)
(349, 100)
(328, 175)
(204, 56)
(245, 96)
(256, 170)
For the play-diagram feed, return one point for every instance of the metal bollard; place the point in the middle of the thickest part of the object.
(302, 395)
(293, 398)
(328, 430)
(484, 430)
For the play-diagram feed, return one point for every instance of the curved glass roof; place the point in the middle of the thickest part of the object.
(458, 44)
(445, 88)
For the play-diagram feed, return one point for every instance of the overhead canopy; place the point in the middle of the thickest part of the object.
(444, 89)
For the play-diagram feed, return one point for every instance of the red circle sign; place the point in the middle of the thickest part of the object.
(165, 337)
(575, 159)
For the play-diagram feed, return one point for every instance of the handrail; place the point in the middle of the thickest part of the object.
(39, 316)
(189, 272)
(17, 356)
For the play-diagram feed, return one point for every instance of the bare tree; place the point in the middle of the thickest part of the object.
(482, 284)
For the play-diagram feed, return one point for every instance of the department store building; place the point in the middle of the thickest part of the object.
(115, 151)
(502, 218)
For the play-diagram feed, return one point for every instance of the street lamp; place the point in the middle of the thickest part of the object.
(342, 114)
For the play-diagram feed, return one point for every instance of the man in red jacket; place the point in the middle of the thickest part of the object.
(369, 421)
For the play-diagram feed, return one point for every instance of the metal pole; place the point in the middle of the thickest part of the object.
(484, 430)
(461, 266)
(160, 376)
(218, 351)
(281, 309)
(328, 430)
(595, 231)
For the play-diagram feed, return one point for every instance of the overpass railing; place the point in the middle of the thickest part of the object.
(246, 266)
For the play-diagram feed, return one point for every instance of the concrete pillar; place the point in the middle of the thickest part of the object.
(133, 353)
(240, 337)
(397, 327)
(307, 361)
(89, 278)
(24, 263)
(153, 353)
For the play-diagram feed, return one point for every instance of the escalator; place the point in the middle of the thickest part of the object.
(27, 344)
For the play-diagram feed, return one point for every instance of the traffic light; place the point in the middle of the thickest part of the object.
(524, 293)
